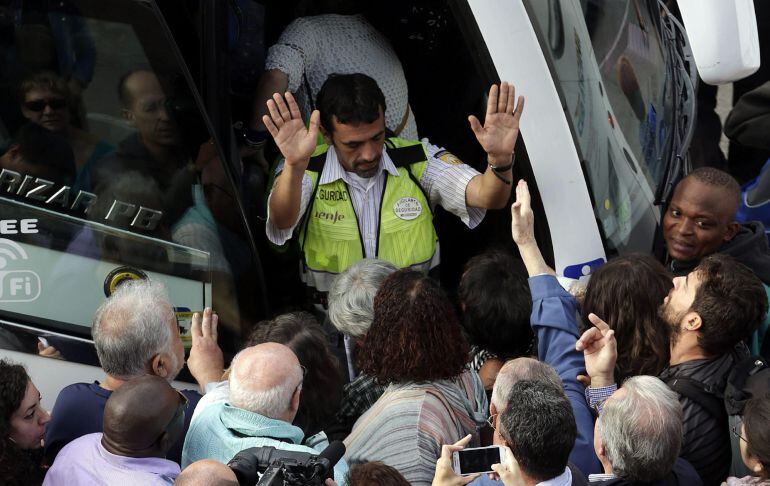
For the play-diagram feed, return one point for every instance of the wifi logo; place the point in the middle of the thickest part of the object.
(16, 285)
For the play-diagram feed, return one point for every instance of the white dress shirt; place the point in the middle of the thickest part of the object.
(444, 183)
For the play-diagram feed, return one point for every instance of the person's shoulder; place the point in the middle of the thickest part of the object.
(80, 446)
(80, 393)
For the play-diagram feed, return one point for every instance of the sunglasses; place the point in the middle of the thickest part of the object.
(39, 105)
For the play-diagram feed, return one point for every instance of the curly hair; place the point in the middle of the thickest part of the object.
(375, 473)
(415, 335)
(626, 293)
(731, 302)
(17, 466)
(322, 386)
(496, 302)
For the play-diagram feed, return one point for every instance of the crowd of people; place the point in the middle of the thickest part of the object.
(650, 372)
(585, 389)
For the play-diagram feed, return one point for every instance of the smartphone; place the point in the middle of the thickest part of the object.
(476, 459)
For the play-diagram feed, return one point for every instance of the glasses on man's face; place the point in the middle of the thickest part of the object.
(491, 421)
(737, 432)
(39, 105)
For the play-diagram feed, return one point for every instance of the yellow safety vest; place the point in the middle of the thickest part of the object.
(330, 238)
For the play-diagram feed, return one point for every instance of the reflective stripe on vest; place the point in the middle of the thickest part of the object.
(330, 237)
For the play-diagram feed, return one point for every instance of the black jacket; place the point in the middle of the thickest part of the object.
(749, 247)
(706, 442)
(683, 474)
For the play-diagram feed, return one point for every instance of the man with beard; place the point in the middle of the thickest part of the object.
(711, 311)
(700, 221)
(366, 194)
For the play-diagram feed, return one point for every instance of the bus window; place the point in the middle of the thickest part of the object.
(109, 173)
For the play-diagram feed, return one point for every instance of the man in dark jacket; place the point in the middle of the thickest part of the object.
(700, 221)
(710, 311)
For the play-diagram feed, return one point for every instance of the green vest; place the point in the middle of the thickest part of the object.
(330, 238)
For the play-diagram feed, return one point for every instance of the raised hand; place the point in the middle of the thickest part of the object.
(600, 351)
(206, 362)
(294, 140)
(501, 124)
(522, 217)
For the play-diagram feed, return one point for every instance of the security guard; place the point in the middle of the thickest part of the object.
(364, 194)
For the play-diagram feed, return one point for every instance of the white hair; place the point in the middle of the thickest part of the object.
(517, 370)
(351, 297)
(131, 327)
(642, 431)
(271, 403)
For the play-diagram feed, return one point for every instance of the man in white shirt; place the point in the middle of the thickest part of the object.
(367, 195)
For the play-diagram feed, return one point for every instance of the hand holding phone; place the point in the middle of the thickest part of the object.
(477, 460)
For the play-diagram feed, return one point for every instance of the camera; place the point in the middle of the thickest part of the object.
(280, 467)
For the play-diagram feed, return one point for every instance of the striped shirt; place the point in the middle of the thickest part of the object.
(407, 426)
(443, 182)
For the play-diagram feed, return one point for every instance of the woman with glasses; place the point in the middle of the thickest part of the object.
(416, 346)
(46, 100)
(754, 437)
(22, 426)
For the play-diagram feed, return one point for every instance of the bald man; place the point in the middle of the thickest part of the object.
(207, 473)
(142, 420)
(265, 386)
(700, 221)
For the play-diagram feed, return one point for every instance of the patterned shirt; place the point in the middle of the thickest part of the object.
(312, 48)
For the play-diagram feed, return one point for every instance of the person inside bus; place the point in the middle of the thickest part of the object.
(156, 149)
(45, 99)
(142, 420)
(336, 39)
(22, 426)
(367, 194)
(40, 153)
(700, 221)
(135, 333)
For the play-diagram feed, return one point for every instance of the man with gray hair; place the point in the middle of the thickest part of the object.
(265, 386)
(135, 333)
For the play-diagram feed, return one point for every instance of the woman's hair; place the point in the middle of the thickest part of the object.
(375, 474)
(17, 466)
(44, 80)
(322, 387)
(626, 293)
(415, 335)
(756, 425)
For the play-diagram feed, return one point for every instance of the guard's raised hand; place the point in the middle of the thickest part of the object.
(501, 124)
(600, 351)
(294, 140)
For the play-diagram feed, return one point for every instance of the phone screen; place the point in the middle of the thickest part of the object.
(478, 460)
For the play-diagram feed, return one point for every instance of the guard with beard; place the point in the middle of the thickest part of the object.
(365, 194)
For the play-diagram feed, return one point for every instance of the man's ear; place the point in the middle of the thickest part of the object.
(327, 136)
(295, 398)
(160, 365)
(127, 115)
(732, 230)
(692, 321)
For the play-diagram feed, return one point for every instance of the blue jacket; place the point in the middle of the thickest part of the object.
(554, 320)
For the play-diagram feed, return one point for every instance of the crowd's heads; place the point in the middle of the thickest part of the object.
(496, 304)
(520, 369)
(143, 418)
(22, 419)
(322, 386)
(144, 106)
(352, 110)
(45, 99)
(639, 431)
(415, 335)
(38, 152)
(626, 292)
(375, 474)
(539, 427)
(135, 332)
(351, 296)
(701, 215)
(720, 303)
(206, 472)
(266, 379)
(755, 436)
